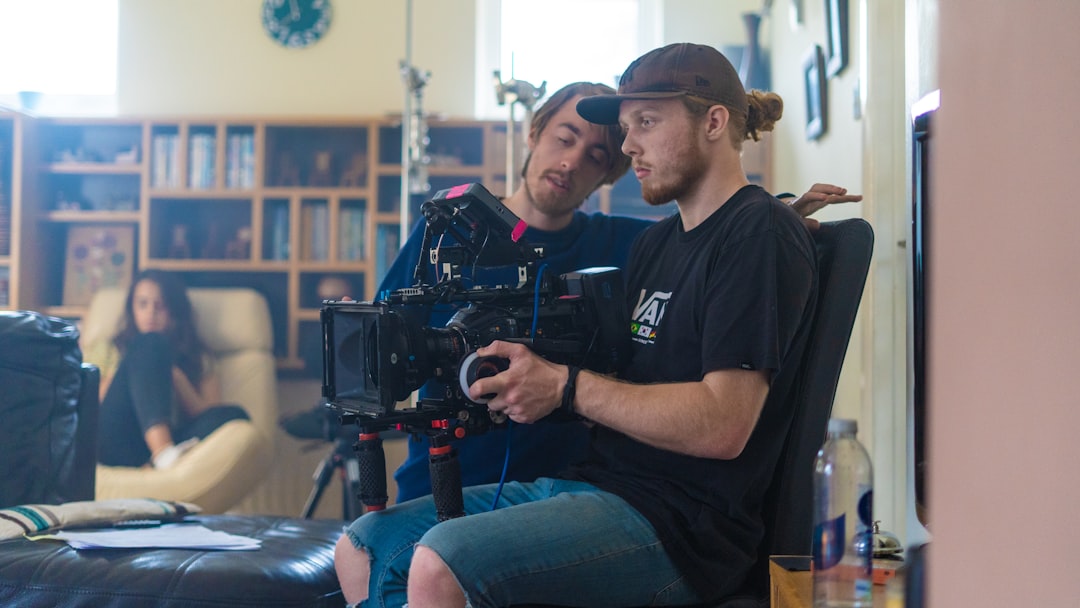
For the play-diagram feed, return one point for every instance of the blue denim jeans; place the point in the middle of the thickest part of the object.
(551, 541)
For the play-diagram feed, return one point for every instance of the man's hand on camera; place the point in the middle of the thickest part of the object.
(530, 389)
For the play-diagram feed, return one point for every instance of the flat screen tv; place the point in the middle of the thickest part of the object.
(922, 113)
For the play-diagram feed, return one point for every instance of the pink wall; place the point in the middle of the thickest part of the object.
(1005, 307)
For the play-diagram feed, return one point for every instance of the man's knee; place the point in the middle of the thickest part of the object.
(430, 579)
(346, 551)
(427, 563)
(353, 569)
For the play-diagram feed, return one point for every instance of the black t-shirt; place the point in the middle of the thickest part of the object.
(735, 292)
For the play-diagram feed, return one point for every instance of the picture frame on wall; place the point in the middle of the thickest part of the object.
(97, 256)
(814, 82)
(836, 47)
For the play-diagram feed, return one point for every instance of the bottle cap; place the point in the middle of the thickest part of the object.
(843, 425)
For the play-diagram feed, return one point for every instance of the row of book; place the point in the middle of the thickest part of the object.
(315, 231)
(240, 160)
(278, 244)
(165, 162)
(202, 161)
(351, 236)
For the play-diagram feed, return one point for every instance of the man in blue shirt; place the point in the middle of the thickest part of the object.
(569, 158)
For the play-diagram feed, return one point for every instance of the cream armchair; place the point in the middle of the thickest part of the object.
(229, 463)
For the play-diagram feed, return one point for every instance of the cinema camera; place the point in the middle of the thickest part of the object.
(375, 354)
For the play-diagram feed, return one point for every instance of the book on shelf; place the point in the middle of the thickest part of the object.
(321, 233)
(387, 245)
(314, 232)
(279, 233)
(201, 161)
(240, 161)
(165, 168)
(351, 234)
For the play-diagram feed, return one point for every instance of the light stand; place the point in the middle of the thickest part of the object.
(414, 133)
(510, 92)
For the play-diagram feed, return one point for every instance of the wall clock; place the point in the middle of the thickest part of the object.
(296, 23)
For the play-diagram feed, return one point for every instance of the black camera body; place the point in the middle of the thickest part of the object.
(375, 354)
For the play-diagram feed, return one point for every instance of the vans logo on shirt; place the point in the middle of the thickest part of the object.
(647, 315)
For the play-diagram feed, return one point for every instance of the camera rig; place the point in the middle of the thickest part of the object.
(377, 353)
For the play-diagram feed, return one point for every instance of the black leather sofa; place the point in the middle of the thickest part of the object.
(294, 568)
(48, 404)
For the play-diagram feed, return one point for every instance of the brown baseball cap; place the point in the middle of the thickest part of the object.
(670, 71)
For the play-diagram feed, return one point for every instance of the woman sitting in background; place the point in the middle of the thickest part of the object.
(159, 392)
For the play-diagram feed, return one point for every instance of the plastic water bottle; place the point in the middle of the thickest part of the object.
(843, 512)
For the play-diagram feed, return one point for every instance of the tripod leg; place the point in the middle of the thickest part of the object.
(323, 473)
(351, 488)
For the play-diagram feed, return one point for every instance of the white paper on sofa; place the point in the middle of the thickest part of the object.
(166, 536)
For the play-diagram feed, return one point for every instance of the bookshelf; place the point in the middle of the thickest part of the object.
(299, 209)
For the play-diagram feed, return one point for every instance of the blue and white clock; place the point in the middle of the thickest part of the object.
(296, 23)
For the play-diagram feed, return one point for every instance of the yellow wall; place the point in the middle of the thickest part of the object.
(213, 57)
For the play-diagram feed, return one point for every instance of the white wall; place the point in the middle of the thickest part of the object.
(1004, 337)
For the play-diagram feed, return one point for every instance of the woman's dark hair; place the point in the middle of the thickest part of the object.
(618, 163)
(187, 348)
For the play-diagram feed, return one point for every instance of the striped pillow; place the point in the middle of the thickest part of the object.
(34, 519)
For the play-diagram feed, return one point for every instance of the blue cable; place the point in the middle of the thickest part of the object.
(506, 466)
(510, 423)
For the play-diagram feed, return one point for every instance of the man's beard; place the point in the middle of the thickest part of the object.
(688, 168)
(549, 202)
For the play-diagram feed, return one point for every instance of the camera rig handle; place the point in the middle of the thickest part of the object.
(445, 478)
(372, 462)
(442, 463)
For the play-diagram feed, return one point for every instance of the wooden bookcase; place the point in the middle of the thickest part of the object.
(300, 210)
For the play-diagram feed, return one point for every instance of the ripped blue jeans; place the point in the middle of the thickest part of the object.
(552, 541)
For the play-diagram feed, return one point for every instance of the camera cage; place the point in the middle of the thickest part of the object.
(375, 354)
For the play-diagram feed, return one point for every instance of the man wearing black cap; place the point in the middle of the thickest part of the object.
(665, 511)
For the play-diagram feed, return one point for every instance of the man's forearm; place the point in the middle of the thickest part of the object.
(712, 418)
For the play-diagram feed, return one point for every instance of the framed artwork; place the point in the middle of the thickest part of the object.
(814, 81)
(836, 20)
(97, 256)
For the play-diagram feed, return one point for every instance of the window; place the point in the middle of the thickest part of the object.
(559, 41)
(63, 50)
